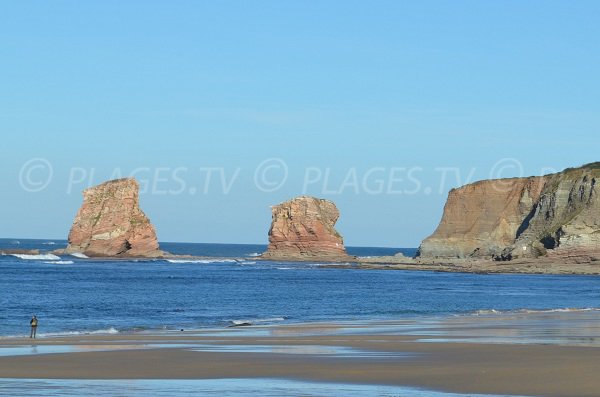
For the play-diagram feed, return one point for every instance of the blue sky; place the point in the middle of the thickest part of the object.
(222, 109)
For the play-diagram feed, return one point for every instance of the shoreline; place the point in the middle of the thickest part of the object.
(399, 262)
(445, 355)
(482, 266)
(254, 325)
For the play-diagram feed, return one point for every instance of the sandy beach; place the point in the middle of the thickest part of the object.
(528, 354)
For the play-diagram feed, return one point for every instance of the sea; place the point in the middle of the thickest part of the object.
(230, 287)
(73, 295)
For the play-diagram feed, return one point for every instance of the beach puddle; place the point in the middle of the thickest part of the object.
(207, 387)
(34, 349)
(250, 331)
(310, 350)
(548, 328)
(26, 350)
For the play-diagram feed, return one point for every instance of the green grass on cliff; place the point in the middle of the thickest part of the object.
(590, 166)
(594, 166)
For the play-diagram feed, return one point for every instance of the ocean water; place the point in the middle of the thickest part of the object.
(208, 387)
(78, 295)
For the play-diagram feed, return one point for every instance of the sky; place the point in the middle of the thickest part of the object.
(222, 109)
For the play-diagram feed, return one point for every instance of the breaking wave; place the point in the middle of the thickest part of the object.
(47, 257)
(563, 310)
(79, 255)
(240, 323)
(107, 331)
(489, 312)
(60, 262)
(205, 261)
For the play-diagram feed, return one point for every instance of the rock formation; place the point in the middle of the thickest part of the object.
(556, 215)
(110, 223)
(303, 229)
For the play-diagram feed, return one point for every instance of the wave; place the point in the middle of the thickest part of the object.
(331, 264)
(242, 323)
(488, 312)
(562, 310)
(253, 255)
(205, 261)
(247, 263)
(107, 331)
(49, 243)
(60, 262)
(79, 255)
(47, 257)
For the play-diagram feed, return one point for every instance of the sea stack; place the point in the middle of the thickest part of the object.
(554, 216)
(111, 223)
(304, 229)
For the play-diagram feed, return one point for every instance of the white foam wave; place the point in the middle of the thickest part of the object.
(47, 257)
(107, 331)
(534, 311)
(49, 243)
(486, 312)
(60, 262)
(253, 255)
(283, 268)
(237, 323)
(561, 310)
(205, 261)
(240, 323)
(331, 264)
(247, 263)
(79, 255)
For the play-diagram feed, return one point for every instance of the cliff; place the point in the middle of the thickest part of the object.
(111, 223)
(303, 229)
(557, 216)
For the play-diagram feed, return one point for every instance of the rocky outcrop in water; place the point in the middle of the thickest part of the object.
(556, 216)
(111, 223)
(304, 229)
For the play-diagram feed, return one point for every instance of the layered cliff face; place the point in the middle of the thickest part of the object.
(565, 222)
(110, 222)
(482, 219)
(303, 228)
(556, 215)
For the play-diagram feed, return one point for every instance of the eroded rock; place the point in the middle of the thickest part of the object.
(303, 229)
(111, 223)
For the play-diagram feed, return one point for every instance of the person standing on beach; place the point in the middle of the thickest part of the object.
(34, 324)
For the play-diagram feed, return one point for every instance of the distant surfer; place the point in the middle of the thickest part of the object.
(34, 324)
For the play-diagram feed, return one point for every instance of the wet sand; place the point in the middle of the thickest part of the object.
(440, 354)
